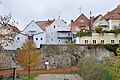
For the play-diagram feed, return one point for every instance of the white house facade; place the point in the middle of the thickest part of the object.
(31, 32)
(100, 21)
(58, 33)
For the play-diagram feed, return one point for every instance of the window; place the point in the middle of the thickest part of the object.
(41, 39)
(30, 37)
(36, 39)
(94, 41)
(51, 39)
(32, 25)
(18, 38)
(86, 41)
(68, 34)
(82, 21)
(51, 33)
(59, 40)
(112, 41)
(102, 41)
(54, 26)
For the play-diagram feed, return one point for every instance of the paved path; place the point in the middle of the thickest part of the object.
(58, 77)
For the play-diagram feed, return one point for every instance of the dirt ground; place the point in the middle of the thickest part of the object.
(62, 70)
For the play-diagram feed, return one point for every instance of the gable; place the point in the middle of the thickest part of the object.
(82, 20)
(59, 25)
(32, 27)
(99, 20)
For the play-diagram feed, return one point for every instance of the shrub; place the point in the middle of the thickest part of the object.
(91, 69)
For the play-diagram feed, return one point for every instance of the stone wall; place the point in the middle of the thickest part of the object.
(58, 56)
(68, 55)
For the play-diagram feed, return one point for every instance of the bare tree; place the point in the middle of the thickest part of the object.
(7, 33)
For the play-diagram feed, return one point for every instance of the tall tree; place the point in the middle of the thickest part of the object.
(28, 56)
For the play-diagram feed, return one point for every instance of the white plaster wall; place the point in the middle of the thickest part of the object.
(17, 43)
(41, 39)
(23, 36)
(51, 31)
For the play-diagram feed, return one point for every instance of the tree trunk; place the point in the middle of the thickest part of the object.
(29, 72)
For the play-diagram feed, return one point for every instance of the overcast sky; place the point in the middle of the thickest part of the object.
(24, 11)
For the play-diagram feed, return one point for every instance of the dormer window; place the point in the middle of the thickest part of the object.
(82, 21)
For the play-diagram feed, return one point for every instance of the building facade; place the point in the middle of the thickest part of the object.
(100, 21)
(96, 38)
(58, 32)
(113, 17)
(82, 22)
(31, 32)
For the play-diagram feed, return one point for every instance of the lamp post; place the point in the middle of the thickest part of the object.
(14, 73)
(47, 64)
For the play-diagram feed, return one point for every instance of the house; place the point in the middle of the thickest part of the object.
(31, 32)
(113, 17)
(106, 38)
(58, 32)
(100, 21)
(7, 34)
(82, 22)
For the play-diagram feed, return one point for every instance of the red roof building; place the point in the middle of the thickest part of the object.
(82, 22)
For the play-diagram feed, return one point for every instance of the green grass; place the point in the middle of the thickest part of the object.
(107, 75)
(32, 76)
(75, 72)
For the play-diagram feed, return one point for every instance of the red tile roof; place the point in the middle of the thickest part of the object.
(15, 29)
(44, 24)
(114, 14)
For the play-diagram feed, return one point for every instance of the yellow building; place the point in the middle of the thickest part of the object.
(113, 17)
(96, 38)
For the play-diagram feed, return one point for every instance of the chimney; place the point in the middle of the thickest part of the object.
(71, 21)
(91, 22)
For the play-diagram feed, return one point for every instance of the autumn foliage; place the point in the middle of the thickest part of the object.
(28, 56)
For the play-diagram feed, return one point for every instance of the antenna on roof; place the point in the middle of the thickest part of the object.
(90, 13)
(59, 14)
(0, 2)
(80, 10)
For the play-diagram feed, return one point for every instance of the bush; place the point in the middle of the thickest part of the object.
(83, 32)
(91, 69)
(99, 29)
